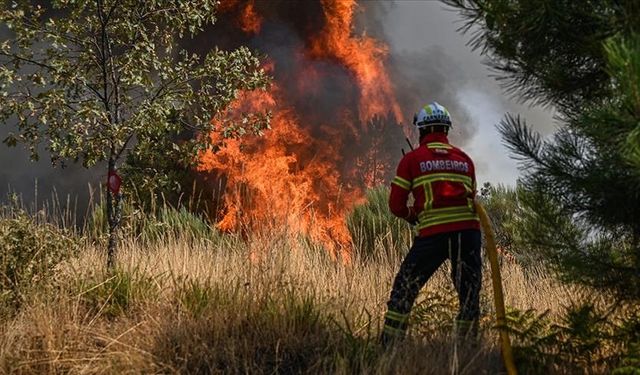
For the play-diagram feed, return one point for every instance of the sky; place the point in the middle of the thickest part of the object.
(414, 28)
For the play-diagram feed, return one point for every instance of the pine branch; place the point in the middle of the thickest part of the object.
(526, 145)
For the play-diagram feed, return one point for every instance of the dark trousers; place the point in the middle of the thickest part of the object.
(426, 255)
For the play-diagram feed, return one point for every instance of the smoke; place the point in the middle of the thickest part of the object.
(323, 91)
(428, 59)
(38, 180)
(286, 31)
(432, 61)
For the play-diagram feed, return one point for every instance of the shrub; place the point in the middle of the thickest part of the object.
(631, 362)
(196, 298)
(583, 336)
(30, 253)
(374, 230)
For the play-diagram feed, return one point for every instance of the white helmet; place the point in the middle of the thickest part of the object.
(432, 114)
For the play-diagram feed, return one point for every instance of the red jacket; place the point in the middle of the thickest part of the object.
(442, 180)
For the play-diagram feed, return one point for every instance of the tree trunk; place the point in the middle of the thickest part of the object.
(114, 215)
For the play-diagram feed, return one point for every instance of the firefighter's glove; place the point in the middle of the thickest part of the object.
(412, 217)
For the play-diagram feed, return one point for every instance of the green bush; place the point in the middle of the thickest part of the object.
(30, 253)
(195, 297)
(630, 364)
(374, 230)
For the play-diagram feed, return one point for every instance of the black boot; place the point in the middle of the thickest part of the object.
(389, 339)
(395, 326)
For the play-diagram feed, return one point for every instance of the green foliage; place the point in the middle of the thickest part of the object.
(375, 231)
(31, 251)
(623, 56)
(505, 209)
(581, 203)
(434, 313)
(582, 337)
(541, 228)
(629, 331)
(199, 297)
(532, 337)
(549, 52)
(195, 298)
(631, 363)
(114, 294)
(103, 79)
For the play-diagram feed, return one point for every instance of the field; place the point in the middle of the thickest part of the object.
(269, 304)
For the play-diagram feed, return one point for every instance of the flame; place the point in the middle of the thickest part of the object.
(250, 21)
(363, 55)
(305, 173)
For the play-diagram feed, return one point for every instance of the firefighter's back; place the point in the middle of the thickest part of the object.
(443, 185)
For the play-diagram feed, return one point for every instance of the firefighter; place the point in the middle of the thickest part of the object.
(441, 179)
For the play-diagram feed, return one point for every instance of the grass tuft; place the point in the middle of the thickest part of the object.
(113, 294)
(375, 231)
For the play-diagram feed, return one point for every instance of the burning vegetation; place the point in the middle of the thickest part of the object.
(335, 129)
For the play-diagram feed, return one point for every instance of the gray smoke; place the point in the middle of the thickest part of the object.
(37, 181)
(431, 60)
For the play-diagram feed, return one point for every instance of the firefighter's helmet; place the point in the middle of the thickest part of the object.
(432, 114)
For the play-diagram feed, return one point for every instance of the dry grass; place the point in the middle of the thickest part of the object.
(267, 305)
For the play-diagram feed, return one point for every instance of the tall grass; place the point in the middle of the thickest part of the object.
(269, 303)
(260, 306)
(158, 222)
(375, 231)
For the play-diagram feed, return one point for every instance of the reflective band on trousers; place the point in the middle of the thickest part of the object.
(392, 315)
(393, 331)
(395, 323)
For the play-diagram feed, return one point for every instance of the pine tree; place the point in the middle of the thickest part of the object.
(582, 186)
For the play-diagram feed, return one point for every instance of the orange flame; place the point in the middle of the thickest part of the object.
(250, 21)
(292, 177)
(363, 55)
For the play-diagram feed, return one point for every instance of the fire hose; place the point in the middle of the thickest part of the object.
(498, 295)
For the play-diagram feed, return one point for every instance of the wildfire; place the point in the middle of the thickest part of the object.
(315, 163)
(250, 21)
(363, 55)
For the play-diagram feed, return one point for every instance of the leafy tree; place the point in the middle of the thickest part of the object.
(584, 59)
(106, 80)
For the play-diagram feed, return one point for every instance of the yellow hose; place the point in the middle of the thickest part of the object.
(498, 296)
